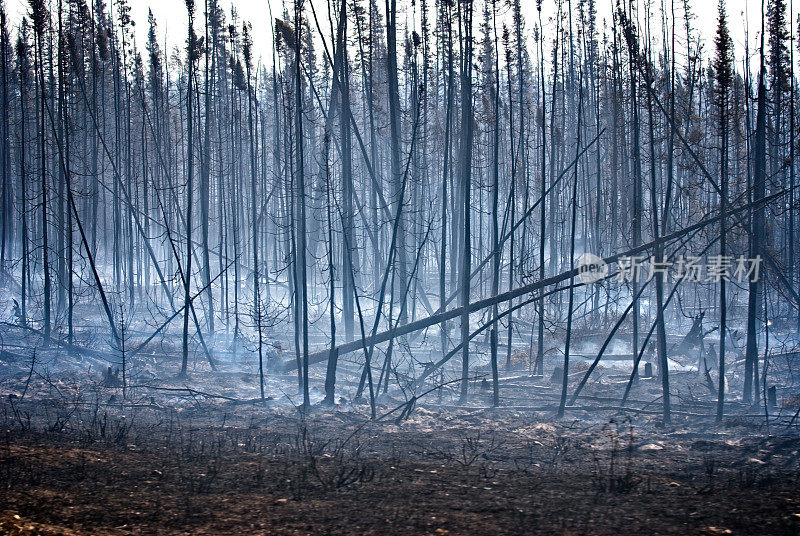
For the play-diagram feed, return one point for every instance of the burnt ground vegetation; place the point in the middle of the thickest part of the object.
(78, 458)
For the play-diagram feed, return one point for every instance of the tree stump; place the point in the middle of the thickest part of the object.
(772, 397)
(558, 375)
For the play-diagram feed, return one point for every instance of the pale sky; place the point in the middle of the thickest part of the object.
(171, 18)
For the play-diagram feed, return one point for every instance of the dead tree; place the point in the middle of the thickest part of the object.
(191, 50)
(724, 75)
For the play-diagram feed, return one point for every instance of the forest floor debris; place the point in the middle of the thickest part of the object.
(204, 455)
(212, 466)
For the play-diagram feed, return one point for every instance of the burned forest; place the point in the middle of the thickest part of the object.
(399, 267)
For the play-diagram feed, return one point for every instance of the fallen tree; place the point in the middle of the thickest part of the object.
(438, 318)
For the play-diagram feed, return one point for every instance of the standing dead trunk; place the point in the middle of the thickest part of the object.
(205, 172)
(189, 187)
(539, 366)
(300, 169)
(495, 92)
(254, 205)
(757, 229)
(465, 158)
(724, 76)
(636, 180)
(574, 200)
(395, 131)
(24, 68)
(446, 169)
(5, 158)
(347, 172)
(39, 21)
(658, 254)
